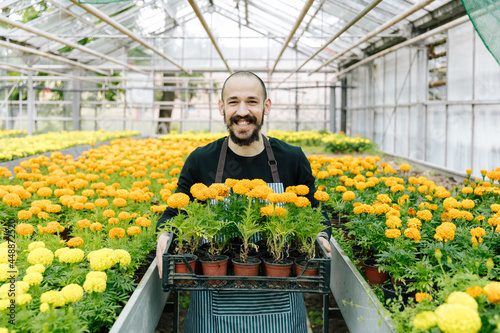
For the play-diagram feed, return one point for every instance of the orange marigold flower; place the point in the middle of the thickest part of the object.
(404, 167)
(119, 202)
(222, 190)
(113, 220)
(273, 197)
(321, 196)
(96, 226)
(75, 242)
(468, 204)
(445, 231)
(301, 189)
(78, 206)
(302, 202)
(414, 223)
(340, 188)
(240, 189)
(178, 200)
(492, 291)
(35, 210)
(134, 230)
(88, 193)
(82, 224)
(321, 188)
(424, 215)
(24, 214)
(230, 182)
(12, 200)
(116, 232)
(44, 192)
(108, 213)
(267, 210)
(101, 203)
(143, 222)
(43, 215)
(393, 233)
(495, 208)
(288, 197)
(348, 196)
(413, 233)
(475, 291)
(24, 229)
(124, 216)
(419, 297)
(54, 208)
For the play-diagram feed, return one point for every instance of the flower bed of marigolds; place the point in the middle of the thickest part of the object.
(83, 227)
(439, 248)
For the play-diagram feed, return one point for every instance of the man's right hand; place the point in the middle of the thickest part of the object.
(161, 246)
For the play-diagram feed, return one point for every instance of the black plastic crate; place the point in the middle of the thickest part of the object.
(320, 283)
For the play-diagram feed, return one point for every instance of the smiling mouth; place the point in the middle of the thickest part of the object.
(243, 121)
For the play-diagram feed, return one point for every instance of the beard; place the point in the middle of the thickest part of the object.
(255, 133)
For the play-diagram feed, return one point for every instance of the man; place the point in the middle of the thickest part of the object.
(245, 154)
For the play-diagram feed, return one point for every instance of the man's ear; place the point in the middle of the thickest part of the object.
(267, 107)
(221, 107)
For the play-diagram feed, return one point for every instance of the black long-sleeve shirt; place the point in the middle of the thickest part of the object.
(201, 167)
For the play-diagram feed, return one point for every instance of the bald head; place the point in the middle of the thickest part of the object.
(246, 74)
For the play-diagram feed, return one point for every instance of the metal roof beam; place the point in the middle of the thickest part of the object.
(375, 32)
(94, 11)
(65, 42)
(302, 14)
(12, 67)
(199, 14)
(344, 29)
(50, 56)
(409, 42)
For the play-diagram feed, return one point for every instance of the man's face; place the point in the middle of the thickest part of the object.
(243, 109)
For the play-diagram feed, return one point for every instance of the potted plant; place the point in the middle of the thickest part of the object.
(247, 228)
(215, 263)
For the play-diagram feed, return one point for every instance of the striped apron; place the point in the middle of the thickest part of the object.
(246, 311)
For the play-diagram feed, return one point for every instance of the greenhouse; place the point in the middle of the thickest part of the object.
(394, 103)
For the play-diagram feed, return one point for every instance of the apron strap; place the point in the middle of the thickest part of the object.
(271, 160)
(270, 157)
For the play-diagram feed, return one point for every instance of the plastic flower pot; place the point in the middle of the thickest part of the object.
(215, 267)
(282, 268)
(182, 268)
(372, 273)
(248, 268)
(393, 291)
(311, 270)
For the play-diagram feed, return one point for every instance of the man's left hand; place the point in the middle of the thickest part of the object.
(326, 245)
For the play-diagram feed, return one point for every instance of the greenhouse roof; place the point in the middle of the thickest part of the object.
(210, 35)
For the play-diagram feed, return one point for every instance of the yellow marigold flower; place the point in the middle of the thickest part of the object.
(495, 208)
(404, 167)
(267, 210)
(6, 257)
(445, 231)
(33, 278)
(4, 305)
(123, 257)
(457, 318)
(230, 182)
(94, 285)
(108, 213)
(54, 208)
(35, 245)
(393, 222)
(102, 259)
(468, 204)
(82, 224)
(424, 215)
(273, 197)
(113, 220)
(492, 291)
(99, 275)
(116, 232)
(414, 223)
(425, 320)
(44, 307)
(419, 297)
(23, 299)
(321, 196)
(6, 272)
(340, 188)
(384, 198)
(178, 200)
(124, 216)
(132, 231)
(413, 233)
(71, 256)
(53, 297)
(393, 233)
(24, 229)
(301, 190)
(75, 242)
(12, 200)
(460, 297)
(411, 211)
(143, 222)
(35, 210)
(302, 202)
(279, 211)
(321, 188)
(72, 293)
(381, 208)
(475, 291)
(59, 251)
(102, 203)
(222, 190)
(41, 256)
(95, 226)
(38, 268)
(288, 197)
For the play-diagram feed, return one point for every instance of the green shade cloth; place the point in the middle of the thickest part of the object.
(96, 2)
(485, 15)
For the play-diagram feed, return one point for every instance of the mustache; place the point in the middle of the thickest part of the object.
(248, 118)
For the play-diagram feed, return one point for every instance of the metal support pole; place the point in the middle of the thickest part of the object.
(343, 107)
(176, 312)
(333, 110)
(31, 106)
(76, 108)
(326, 310)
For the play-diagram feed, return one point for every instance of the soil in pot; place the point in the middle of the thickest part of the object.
(394, 291)
(372, 273)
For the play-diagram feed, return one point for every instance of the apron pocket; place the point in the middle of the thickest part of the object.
(237, 303)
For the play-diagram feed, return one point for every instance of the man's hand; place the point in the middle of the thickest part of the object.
(161, 246)
(326, 245)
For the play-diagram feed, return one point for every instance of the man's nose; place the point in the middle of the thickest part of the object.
(242, 109)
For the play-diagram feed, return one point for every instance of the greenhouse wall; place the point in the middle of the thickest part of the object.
(441, 108)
